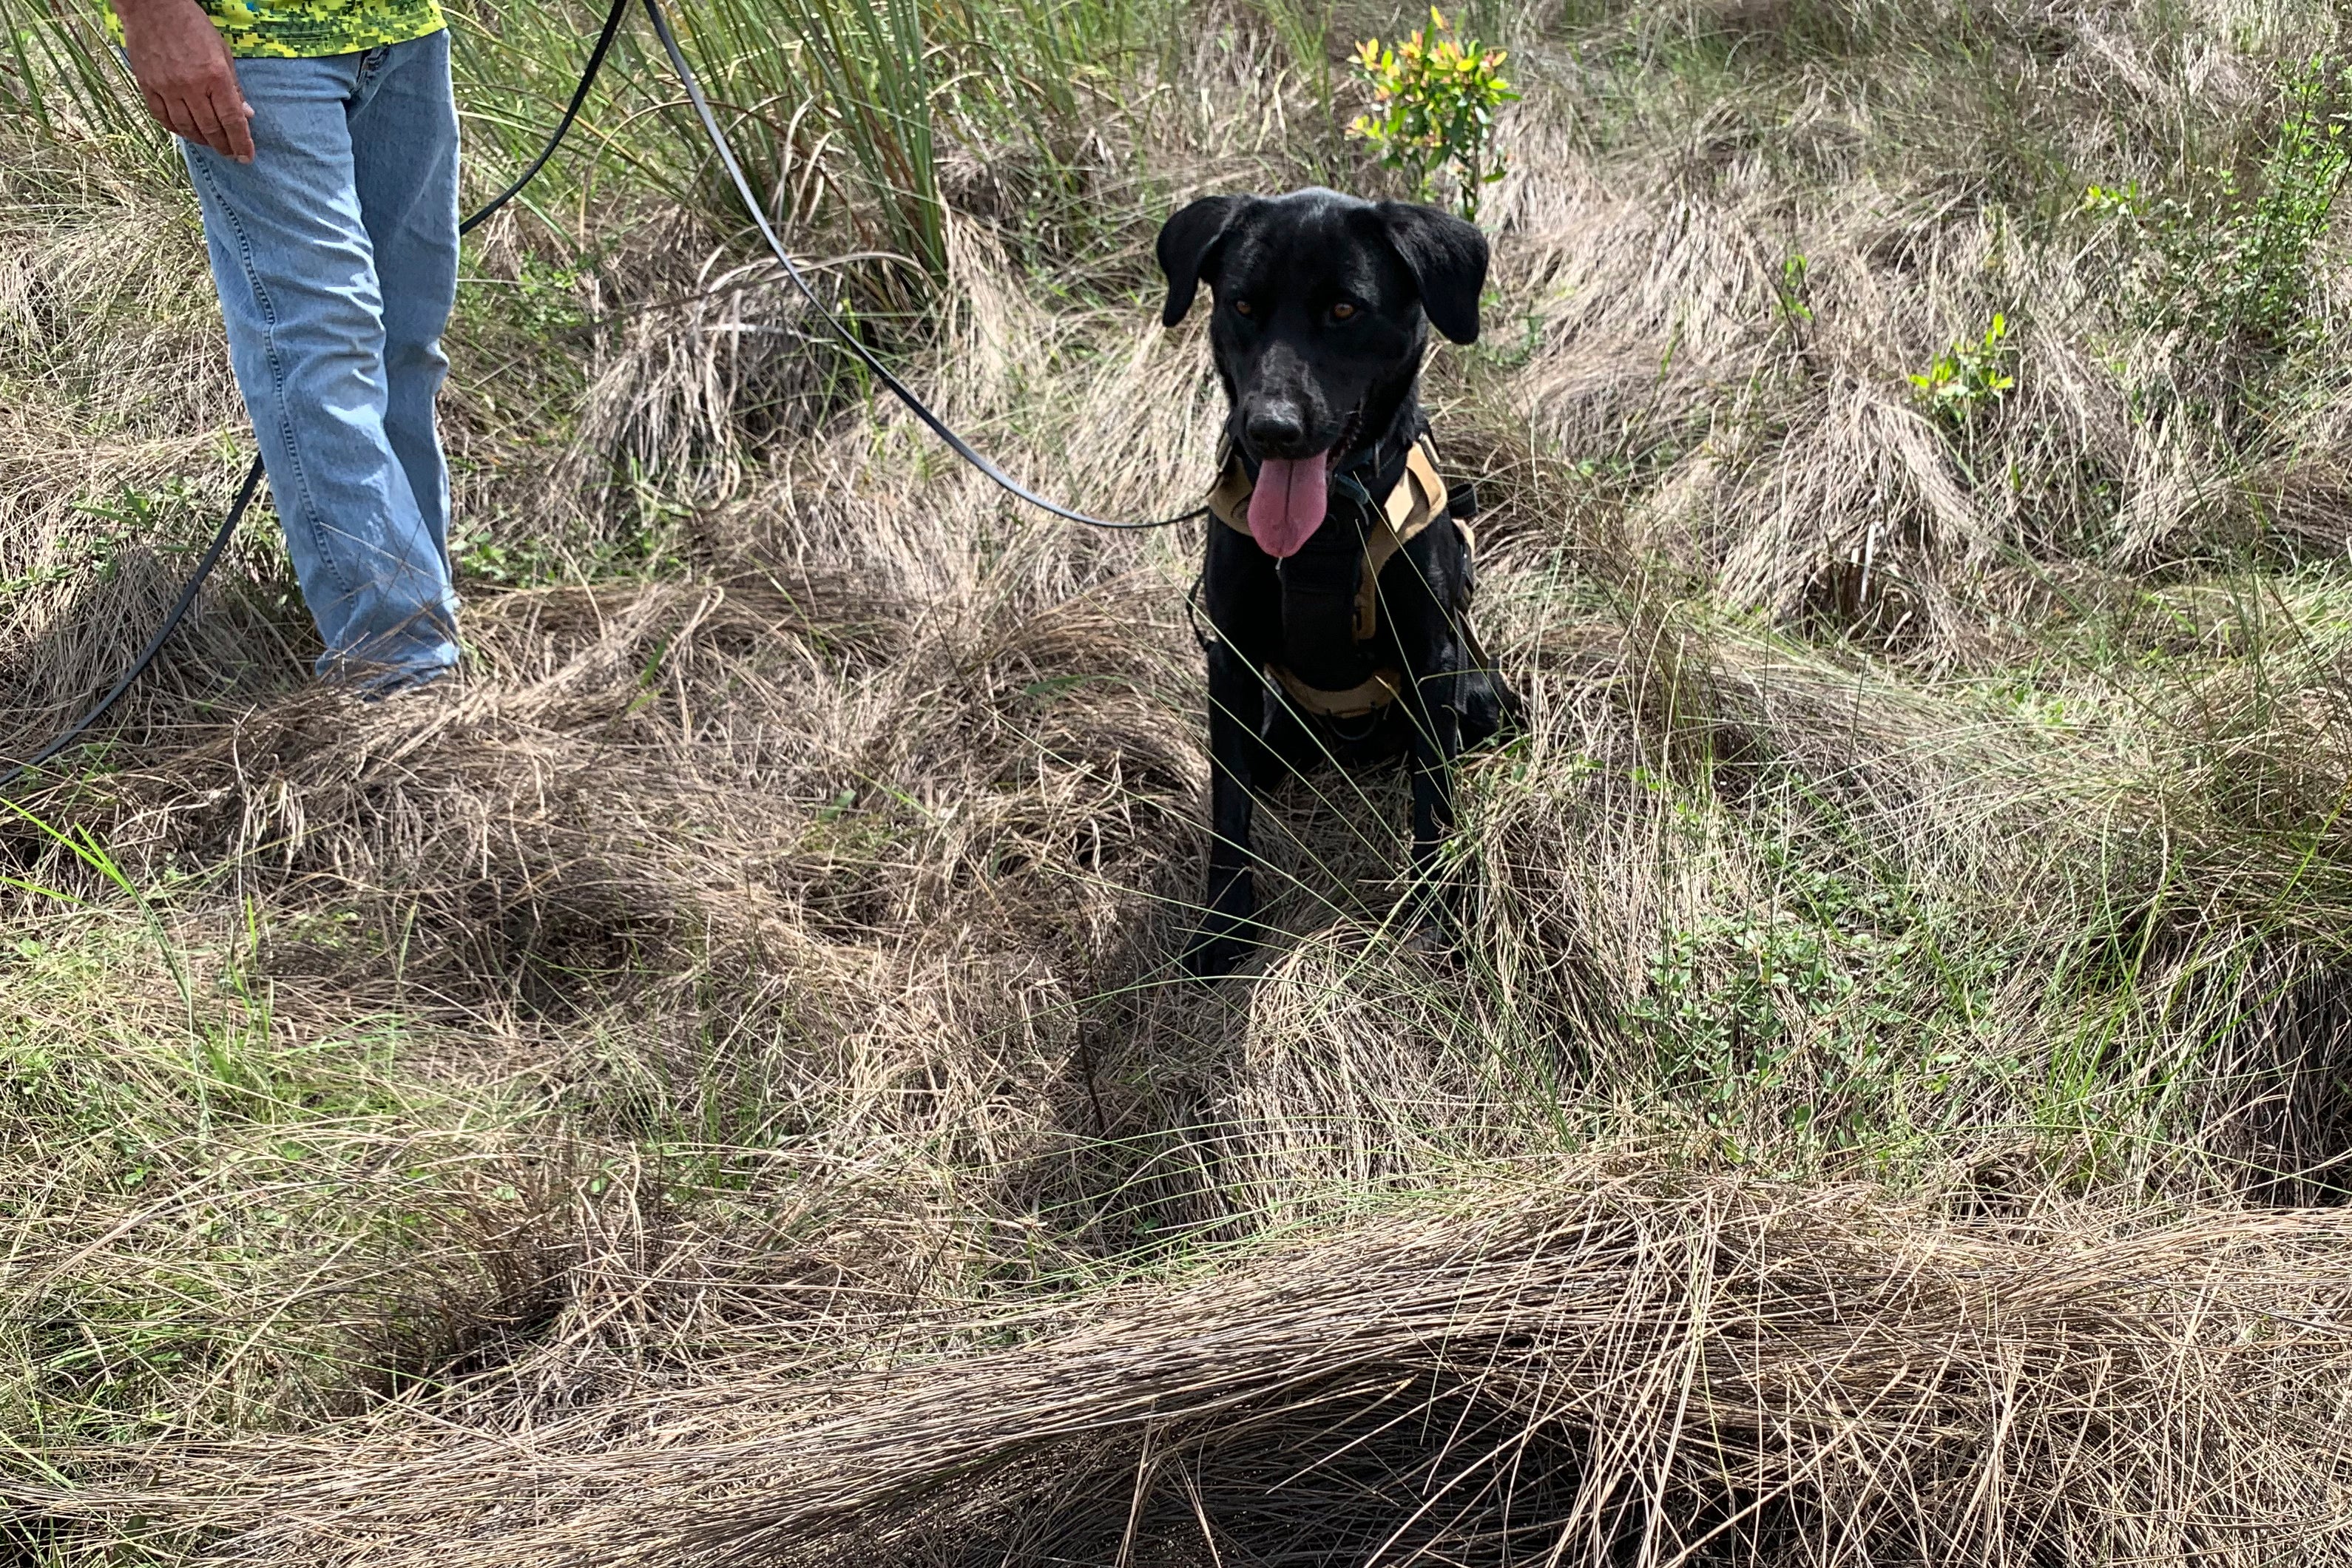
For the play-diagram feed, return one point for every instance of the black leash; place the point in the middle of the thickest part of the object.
(205, 564)
(596, 64)
(252, 482)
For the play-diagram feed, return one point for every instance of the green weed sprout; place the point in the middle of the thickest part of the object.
(1969, 375)
(1433, 102)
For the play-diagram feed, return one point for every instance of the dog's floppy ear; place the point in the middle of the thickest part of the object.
(1447, 258)
(1186, 243)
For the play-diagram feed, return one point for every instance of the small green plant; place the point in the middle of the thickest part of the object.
(1968, 375)
(483, 555)
(1720, 996)
(545, 296)
(1789, 289)
(1433, 103)
(1810, 1002)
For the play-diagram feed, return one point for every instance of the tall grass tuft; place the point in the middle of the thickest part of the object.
(832, 100)
(58, 76)
(835, 106)
(843, 110)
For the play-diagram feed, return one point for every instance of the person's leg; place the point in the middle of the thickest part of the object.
(405, 162)
(297, 273)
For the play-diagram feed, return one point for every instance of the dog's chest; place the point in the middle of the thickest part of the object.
(1321, 588)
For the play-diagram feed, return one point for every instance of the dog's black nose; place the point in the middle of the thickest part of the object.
(1275, 429)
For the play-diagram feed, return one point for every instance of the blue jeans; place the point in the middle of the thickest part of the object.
(335, 252)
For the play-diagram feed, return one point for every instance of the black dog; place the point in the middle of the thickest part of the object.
(1339, 577)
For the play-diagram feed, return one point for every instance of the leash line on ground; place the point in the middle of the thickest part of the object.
(589, 73)
(205, 565)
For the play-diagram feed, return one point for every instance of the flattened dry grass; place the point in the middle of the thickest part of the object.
(1578, 1362)
(711, 1084)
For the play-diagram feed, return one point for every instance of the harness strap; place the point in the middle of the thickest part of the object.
(1229, 502)
(1357, 703)
(1415, 503)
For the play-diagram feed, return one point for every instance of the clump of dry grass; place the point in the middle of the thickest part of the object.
(1581, 1364)
(1737, 355)
(110, 456)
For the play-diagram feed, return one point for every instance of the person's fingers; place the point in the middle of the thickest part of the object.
(181, 119)
(237, 122)
(207, 123)
(208, 126)
(155, 108)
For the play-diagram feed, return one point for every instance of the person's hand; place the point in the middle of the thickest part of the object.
(184, 71)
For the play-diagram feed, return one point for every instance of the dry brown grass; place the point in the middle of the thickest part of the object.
(1578, 1365)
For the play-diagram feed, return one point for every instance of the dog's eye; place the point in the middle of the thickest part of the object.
(1343, 311)
(1240, 307)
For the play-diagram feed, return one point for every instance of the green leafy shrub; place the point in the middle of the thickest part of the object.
(1433, 103)
(1776, 1006)
(1720, 996)
(2224, 264)
(1968, 375)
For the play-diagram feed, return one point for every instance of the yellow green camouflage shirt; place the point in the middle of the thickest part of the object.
(304, 29)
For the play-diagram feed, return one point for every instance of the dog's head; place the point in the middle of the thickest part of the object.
(1323, 306)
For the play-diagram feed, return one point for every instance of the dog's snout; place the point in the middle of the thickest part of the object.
(1275, 429)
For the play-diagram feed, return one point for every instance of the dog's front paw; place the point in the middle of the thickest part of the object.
(1227, 929)
(1435, 942)
(1223, 940)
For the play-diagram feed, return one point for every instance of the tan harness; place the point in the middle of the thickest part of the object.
(1417, 499)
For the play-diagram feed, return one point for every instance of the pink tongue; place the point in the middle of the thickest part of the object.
(1288, 506)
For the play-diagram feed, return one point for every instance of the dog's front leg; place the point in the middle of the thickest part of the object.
(1434, 705)
(1436, 743)
(1236, 699)
(1423, 589)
